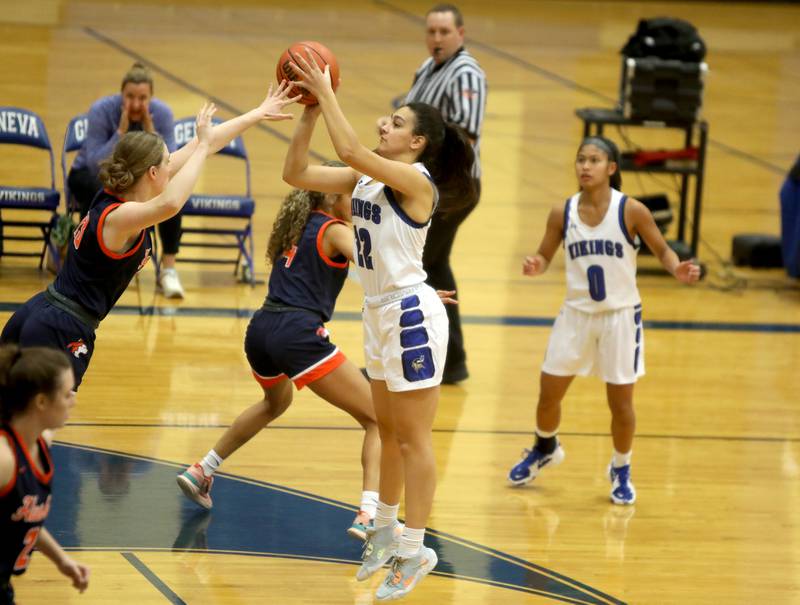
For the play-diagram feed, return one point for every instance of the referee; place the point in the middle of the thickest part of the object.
(452, 81)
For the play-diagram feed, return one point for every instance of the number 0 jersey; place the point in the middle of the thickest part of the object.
(600, 260)
(388, 246)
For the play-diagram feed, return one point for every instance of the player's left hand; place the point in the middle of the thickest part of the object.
(79, 574)
(687, 272)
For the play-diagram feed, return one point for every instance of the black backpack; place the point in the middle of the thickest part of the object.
(666, 38)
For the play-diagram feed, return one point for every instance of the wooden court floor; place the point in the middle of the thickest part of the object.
(717, 454)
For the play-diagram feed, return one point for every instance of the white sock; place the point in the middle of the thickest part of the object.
(386, 514)
(369, 503)
(210, 463)
(546, 434)
(410, 542)
(621, 459)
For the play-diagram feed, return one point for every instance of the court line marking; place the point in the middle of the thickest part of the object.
(572, 84)
(734, 438)
(273, 486)
(576, 584)
(268, 555)
(153, 578)
(478, 320)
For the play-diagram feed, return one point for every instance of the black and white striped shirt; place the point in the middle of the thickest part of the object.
(457, 88)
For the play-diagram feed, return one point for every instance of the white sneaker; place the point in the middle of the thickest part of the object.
(170, 283)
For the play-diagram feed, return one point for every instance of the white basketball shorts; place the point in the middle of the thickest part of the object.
(405, 338)
(609, 345)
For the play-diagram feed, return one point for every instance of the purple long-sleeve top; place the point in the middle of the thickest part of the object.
(102, 134)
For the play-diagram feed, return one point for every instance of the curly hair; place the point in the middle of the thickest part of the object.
(292, 218)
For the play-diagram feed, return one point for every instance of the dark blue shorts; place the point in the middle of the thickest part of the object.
(37, 323)
(6, 592)
(289, 344)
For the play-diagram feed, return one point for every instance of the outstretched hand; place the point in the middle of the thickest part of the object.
(270, 108)
(312, 78)
(203, 124)
(687, 272)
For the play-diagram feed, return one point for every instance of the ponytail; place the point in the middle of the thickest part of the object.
(448, 156)
(25, 373)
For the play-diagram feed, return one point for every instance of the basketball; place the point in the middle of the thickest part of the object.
(321, 54)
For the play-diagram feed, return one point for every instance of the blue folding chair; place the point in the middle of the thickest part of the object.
(73, 139)
(239, 235)
(22, 127)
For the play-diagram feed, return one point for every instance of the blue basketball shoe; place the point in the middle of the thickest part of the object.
(622, 490)
(532, 463)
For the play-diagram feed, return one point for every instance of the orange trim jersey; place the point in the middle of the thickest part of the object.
(305, 277)
(94, 276)
(24, 503)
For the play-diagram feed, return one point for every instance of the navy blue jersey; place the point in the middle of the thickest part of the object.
(24, 504)
(304, 276)
(94, 276)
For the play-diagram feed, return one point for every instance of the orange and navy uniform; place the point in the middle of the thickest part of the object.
(94, 276)
(91, 281)
(24, 504)
(287, 336)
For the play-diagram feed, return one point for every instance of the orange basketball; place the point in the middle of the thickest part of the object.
(320, 53)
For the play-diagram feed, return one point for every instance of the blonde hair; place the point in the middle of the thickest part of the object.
(133, 155)
(138, 74)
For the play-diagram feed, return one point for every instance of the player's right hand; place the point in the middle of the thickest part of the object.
(203, 124)
(532, 265)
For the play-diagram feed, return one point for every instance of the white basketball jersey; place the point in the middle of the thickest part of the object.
(600, 260)
(388, 246)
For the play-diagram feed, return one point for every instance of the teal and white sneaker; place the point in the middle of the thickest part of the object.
(196, 486)
(381, 545)
(360, 525)
(406, 574)
(622, 490)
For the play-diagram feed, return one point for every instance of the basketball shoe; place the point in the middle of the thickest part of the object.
(532, 463)
(381, 545)
(405, 574)
(622, 490)
(196, 486)
(360, 525)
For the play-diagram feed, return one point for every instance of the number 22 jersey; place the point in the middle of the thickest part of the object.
(388, 246)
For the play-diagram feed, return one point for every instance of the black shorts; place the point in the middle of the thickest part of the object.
(6, 591)
(290, 344)
(38, 323)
